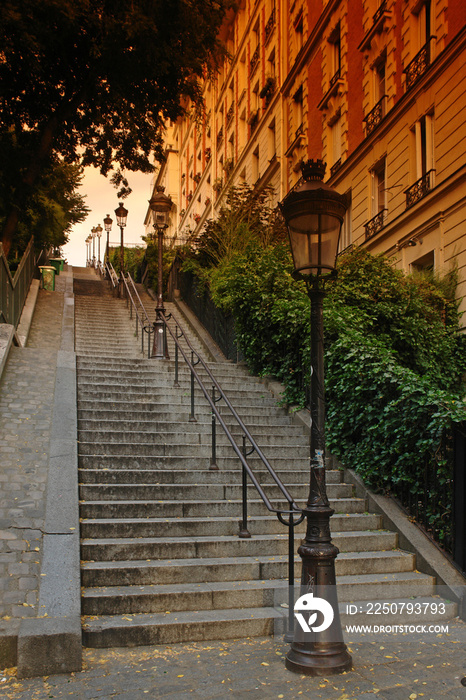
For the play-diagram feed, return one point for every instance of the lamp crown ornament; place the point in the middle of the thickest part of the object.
(313, 169)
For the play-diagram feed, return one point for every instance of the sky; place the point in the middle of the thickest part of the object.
(101, 198)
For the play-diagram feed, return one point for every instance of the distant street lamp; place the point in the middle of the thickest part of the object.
(98, 232)
(108, 221)
(88, 250)
(121, 215)
(314, 213)
(93, 245)
(161, 205)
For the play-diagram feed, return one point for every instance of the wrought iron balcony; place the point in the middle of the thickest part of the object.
(375, 224)
(335, 167)
(420, 63)
(420, 188)
(375, 116)
(254, 62)
(269, 27)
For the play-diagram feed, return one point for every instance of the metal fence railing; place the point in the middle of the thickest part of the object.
(14, 288)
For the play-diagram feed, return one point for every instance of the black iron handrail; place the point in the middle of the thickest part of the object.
(243, 452)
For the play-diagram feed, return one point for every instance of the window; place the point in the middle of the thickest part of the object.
(379, 79)
(424, 264)
(424, 23)
(298, 27)
(255, 165)
(271, 140)
(298, 109)
(335, 136)
(379, 193)
(335, 52)
(346, 236)
(424, 137)
(424, 160)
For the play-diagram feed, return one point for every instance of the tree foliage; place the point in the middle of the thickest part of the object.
(93, 81)
(52, 207)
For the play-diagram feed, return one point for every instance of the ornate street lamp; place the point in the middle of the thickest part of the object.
(93, 246)
(108, 221)
(161, 205)
(121, 215)
(98, 233)
(314, 213)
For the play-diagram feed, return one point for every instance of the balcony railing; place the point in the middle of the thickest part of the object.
(335, 166)
(420, 188)
(254, 61)
(420, 63)
(375, 224)
(375, 116)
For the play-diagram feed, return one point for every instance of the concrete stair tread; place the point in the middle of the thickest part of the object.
(90, 622)
(239, 561)
(202, 502)
(224, 538)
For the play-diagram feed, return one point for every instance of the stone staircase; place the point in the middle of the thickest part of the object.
(161, 558)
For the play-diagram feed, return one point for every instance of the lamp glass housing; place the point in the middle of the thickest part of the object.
(314, 242)
(314, 214)
(160, 205)
(121, 214)
(108, 221)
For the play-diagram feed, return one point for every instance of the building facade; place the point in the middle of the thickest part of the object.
(376, 88)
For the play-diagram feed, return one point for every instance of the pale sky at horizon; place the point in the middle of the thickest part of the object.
(101, 198)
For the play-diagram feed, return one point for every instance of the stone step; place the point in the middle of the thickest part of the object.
(152, 449)
(142, 572)
(183, 462)
(193, 626)
(174, 598)
(189, 476)
(88, 410)
(129, 549)
(164, 399)
(144, 424)
(194, 509)
(203, 436)
(212, 491)
(220, 526)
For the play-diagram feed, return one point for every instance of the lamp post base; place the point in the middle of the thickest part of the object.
(318, 659)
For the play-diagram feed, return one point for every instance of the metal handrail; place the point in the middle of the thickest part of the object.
(241, 453)
(14, 288)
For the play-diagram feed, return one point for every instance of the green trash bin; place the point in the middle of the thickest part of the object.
(47, 277)
(56, 264)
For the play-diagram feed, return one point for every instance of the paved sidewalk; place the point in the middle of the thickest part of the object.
(387, 669)
(26, 403)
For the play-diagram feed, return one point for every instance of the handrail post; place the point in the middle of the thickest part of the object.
(244, 532)
(289, 634)
(192, 417)
(213, 459)
(176, 382)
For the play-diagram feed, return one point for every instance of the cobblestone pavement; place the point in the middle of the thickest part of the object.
(386, 669)
(26, 402)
